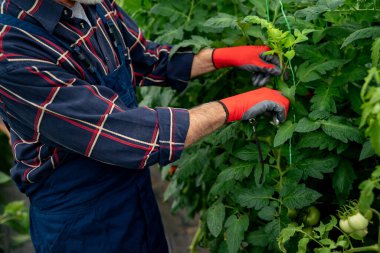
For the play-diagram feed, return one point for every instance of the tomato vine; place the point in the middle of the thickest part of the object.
(325, 154)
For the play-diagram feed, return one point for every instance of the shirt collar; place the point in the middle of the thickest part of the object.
(46, 12)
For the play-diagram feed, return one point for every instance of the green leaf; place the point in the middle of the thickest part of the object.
(196, 43)
(253, 197)
(222, 20)
(374, 134)
(311, 13)
(305, 125)
(170, 36)
(375, 56)
(324, 229)
(369, 32)
(310, 52)
(322, 250)
(267, 213)
(235, 231)
(236, 172)
(167, 10)
(4, 178)
(323, 99)
(273, 230)
(284, 133)
(340, 130)
(367, 151)
(315, 167)
(14, 207)
(192, 163)
(316, 115)
(317, 140)
(227, 133)
(310, 72)
(366, 195)
(343, 179)
(251, 153)
(285, 236)
(257, 238)
(290, 54)
(298, 196)
(289, 92)
(302, 245)
(215, 218)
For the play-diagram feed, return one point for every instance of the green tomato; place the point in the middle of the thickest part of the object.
(308, 231)
(357, 221)
(292, 213)
(359, 234)
(312, 216)
(343, 224)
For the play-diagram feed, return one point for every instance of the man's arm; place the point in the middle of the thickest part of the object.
(202, 63)
(209, 117)
(204, 120)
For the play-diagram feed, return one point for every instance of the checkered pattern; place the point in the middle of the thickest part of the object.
(55, 111)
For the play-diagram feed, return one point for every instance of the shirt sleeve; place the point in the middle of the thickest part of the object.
(152, 62)
(47, 104)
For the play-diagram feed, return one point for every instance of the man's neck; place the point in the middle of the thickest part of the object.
(67, 3)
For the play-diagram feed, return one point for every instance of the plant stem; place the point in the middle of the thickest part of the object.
(197, 236)
(378, 233)
(190, 12)
(374, 248)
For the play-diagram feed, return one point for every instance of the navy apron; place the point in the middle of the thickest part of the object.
(86, 206)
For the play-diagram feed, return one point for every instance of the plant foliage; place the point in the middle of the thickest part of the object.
(319, 156)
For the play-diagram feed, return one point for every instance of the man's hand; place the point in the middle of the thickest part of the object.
(251, 104)
(207, 118)
(250, 58)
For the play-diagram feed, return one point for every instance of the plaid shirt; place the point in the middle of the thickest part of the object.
(54, 111)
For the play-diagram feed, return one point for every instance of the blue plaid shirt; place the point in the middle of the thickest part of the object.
(53, 109)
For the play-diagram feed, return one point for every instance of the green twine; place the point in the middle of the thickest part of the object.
(291, 69)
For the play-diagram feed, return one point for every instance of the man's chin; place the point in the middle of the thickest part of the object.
(91, 2)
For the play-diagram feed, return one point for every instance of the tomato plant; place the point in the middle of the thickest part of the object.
(322, 156)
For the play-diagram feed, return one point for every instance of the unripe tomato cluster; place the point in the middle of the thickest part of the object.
(356, 225)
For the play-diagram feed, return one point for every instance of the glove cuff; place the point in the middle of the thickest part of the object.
(226, 110)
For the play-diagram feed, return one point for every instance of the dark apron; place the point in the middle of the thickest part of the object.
(88, 206)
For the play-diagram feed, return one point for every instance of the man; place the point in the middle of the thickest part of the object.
(82, 146)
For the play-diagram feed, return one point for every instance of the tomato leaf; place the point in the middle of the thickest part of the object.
(251, 153)
(236, 172)
(253, 197)
(302, 245)
(235, 231)
(298, 196)
(284, 133)
(258, 238)
(215, 218)
(315, 167)
(339, 129)
(369, 32)
(305, 125)
(344, 176)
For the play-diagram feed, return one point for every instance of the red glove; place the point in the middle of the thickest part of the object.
(249, 105)
(250, 58)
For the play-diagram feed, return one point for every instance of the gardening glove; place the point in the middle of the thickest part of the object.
(250, 58)
(251, 104)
